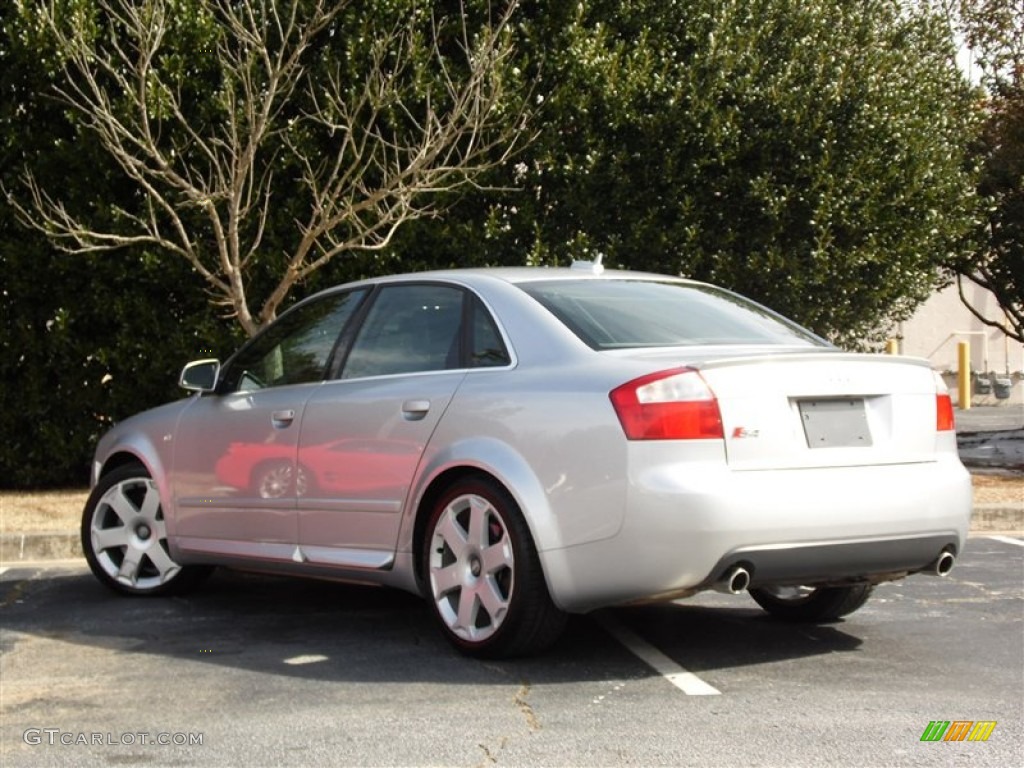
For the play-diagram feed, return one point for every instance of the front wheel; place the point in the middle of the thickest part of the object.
(812, 604)
(124, 537)
(483, 574)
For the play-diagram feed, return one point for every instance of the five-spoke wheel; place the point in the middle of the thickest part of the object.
(124, 536)
(484, 576)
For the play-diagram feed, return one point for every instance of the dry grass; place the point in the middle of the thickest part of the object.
(61, 510)
(996, 489)
(41, 511)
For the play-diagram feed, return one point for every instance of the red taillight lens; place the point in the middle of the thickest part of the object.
(668, 405)
(943, 413)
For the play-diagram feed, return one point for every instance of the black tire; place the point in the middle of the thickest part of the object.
(489, 596)
(815, 604)
(125, 541)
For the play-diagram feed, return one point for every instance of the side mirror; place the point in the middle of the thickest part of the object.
(200, 376)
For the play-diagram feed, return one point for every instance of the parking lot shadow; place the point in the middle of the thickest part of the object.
(331, 631)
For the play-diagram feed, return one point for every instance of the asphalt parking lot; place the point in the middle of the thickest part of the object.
(267, 671)
(258, 671)
(992, 438)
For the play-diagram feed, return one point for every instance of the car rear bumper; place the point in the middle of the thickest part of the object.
(833, 563)
(685, 525)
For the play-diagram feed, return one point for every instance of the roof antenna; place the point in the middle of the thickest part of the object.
(593, 266)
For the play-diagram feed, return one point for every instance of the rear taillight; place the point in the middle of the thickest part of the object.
(943, 413)
(669, 405)
(943, 406)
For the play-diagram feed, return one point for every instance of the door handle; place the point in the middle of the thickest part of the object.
(282, 419)
(414, 410)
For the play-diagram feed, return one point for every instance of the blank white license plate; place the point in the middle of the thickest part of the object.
(835, 423)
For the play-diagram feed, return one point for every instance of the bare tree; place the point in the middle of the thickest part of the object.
(371, 150)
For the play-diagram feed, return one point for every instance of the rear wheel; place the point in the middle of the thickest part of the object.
(124, 537)
(483, 574)
(812, 604)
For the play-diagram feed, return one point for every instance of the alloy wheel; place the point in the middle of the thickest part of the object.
(129, 537)
(471, 567)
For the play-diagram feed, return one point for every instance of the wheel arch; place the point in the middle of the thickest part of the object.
(138, 448)
(120, 459)
(496, 459)
(491, 460)
(152, 561)
(437, 488)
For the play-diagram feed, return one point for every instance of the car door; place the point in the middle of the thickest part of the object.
(363, 434)
(234, 480)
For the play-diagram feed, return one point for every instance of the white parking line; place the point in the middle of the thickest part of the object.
(4, 570)
(1008, 540)
(681, 678)
(306, 659)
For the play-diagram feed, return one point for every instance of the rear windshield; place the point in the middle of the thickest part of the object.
(613, 314)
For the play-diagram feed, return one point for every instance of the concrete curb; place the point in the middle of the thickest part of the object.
(29, 547)
(997, 518)
(26, 547)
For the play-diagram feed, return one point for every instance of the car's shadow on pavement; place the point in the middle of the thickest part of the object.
(330, 631)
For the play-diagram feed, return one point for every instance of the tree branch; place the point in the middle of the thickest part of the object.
(1014, 324)
(374, 148)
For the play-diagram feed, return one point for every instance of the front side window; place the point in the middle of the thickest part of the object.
(297, 348)
(612, 314)
(409, 329)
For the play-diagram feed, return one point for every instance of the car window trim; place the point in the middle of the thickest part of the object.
(348, 335)
(351, 333)
(221, 388)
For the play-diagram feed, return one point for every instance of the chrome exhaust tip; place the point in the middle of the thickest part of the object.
(735, 581)
(942, 565)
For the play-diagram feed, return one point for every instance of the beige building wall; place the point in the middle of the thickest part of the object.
(943, 321)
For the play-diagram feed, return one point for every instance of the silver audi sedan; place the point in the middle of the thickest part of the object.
(520, 444)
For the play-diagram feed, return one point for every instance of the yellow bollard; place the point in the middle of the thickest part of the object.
(963, 376)
(892, 347)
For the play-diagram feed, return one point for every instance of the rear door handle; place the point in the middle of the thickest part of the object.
(282, 419)
(414, 410)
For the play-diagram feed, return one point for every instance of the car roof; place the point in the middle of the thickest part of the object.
(479, 277)
(514, 275)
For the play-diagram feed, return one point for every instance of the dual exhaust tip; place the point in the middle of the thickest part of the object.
(942, 565)
(737, 578)
(735, 581)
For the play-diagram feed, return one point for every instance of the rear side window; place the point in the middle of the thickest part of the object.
(613, 314)
(486, 347)
(409, 329)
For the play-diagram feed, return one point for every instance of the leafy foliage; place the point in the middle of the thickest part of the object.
(89, 340)
(994, 31)
(809, 154)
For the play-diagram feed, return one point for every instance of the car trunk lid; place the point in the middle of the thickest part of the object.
(824, 410)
